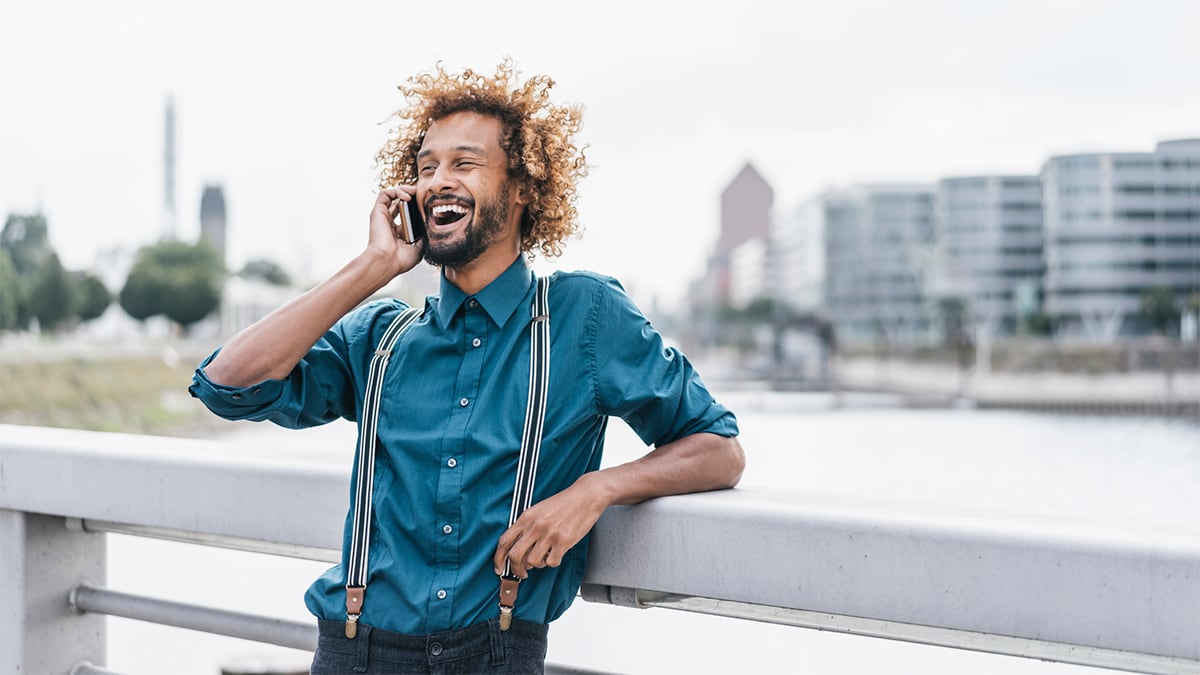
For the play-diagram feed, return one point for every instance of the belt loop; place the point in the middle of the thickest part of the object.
(362, 649)
(496, 639)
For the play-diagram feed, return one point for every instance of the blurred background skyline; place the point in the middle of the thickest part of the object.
(286, 110)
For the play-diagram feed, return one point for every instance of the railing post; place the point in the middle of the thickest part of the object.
(43, 559)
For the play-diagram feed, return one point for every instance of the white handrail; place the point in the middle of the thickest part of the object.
(1108, 593)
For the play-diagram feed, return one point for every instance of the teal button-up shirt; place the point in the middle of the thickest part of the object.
(453, 406)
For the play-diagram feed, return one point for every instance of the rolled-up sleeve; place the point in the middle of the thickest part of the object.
(321, 388)
(652, 386)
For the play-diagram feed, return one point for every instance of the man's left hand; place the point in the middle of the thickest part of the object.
(547, 530)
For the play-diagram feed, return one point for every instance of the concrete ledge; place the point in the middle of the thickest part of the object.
(1122, 586)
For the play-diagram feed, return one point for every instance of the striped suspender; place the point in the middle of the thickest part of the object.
(360, 539)
(531, 441)
(531, 437)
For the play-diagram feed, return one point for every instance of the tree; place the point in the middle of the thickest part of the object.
(27, 240)
(178, 280)
(1158, 309)
(91, 296)
(10, 298)
(51, 297)
(267, 270)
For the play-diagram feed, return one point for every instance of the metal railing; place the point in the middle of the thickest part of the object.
(1122, 595)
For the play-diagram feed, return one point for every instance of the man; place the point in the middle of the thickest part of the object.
(492, 166)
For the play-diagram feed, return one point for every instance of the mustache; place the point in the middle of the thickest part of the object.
(436, 200)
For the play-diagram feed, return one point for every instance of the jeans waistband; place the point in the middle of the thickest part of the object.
(459, 637)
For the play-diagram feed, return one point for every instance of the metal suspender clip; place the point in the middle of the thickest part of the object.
(508, 598)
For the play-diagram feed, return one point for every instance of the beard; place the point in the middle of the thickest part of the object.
(487, 220)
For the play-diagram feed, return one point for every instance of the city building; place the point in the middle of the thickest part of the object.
(988, 254)
(796, 266)
(169, 162)
(745, 215)
(747, 278)
(212, 219)
(878, 260)
(1117, 226)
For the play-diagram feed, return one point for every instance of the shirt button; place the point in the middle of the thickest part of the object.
(256, 392)
(447, 528)
(441, 595)
(473, 303)
(435, 649)
(463, 402)
(476, 342)
(452, 462)
(236, 397)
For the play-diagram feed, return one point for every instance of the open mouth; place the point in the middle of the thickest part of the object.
(448, 214)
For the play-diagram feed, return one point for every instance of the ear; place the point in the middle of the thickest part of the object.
(524, 194)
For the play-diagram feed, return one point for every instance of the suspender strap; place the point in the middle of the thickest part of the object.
(360, 540)
(531, 437)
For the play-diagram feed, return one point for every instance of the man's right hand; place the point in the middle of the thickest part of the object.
(385, 240)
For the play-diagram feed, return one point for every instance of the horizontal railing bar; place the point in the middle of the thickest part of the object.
(219, 540)
(896, 630)
(89, 668)
(281, 632)
(88, 598)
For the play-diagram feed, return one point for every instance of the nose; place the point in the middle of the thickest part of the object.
(441, 180)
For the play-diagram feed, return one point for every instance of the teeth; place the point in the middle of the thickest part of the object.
(449, 208)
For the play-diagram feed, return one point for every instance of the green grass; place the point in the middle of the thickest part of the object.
(128, 394)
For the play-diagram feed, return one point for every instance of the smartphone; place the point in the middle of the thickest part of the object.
(411, 222)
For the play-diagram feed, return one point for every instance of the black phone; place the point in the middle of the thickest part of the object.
(411, 222)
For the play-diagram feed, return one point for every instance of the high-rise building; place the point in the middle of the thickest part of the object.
(745, 215)
(169, 217)
(1118, 225)
(878, 258)
(745, 209)
(212, 218)
(747, 278)
(988, 231)
(797, 257)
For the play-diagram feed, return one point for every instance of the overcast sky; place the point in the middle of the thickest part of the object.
(284, 105)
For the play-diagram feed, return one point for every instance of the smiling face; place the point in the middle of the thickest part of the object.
(472, 209)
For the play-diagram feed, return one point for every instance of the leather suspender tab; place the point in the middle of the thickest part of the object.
(508, 598)
(354, 603)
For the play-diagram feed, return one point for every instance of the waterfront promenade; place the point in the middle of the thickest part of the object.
(1151, 392)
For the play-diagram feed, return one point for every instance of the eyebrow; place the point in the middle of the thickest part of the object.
(473, 149)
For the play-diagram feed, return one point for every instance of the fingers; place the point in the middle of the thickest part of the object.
(387, 207)
(396, 192)
(525, 552)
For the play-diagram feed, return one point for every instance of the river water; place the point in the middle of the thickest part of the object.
(1110, 467)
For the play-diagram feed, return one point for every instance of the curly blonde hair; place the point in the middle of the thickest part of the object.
(536, 137)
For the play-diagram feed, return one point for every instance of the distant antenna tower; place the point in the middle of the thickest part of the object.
(169, 172)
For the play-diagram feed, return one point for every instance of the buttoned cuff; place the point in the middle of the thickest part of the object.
(233, 402)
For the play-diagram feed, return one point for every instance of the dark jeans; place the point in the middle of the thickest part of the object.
(482, 648)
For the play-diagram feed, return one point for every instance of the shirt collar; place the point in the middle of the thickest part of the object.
(499, 299)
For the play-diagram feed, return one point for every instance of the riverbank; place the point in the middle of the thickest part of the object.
(931, 384)
(141, 386)
(120, 387)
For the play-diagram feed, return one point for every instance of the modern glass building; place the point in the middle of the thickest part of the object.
(879, 245)
(796, 259)
(989, 247)
(1118, 225)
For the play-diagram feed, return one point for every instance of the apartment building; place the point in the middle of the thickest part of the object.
(988, 253)
(879, 245)
(1118, 225)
